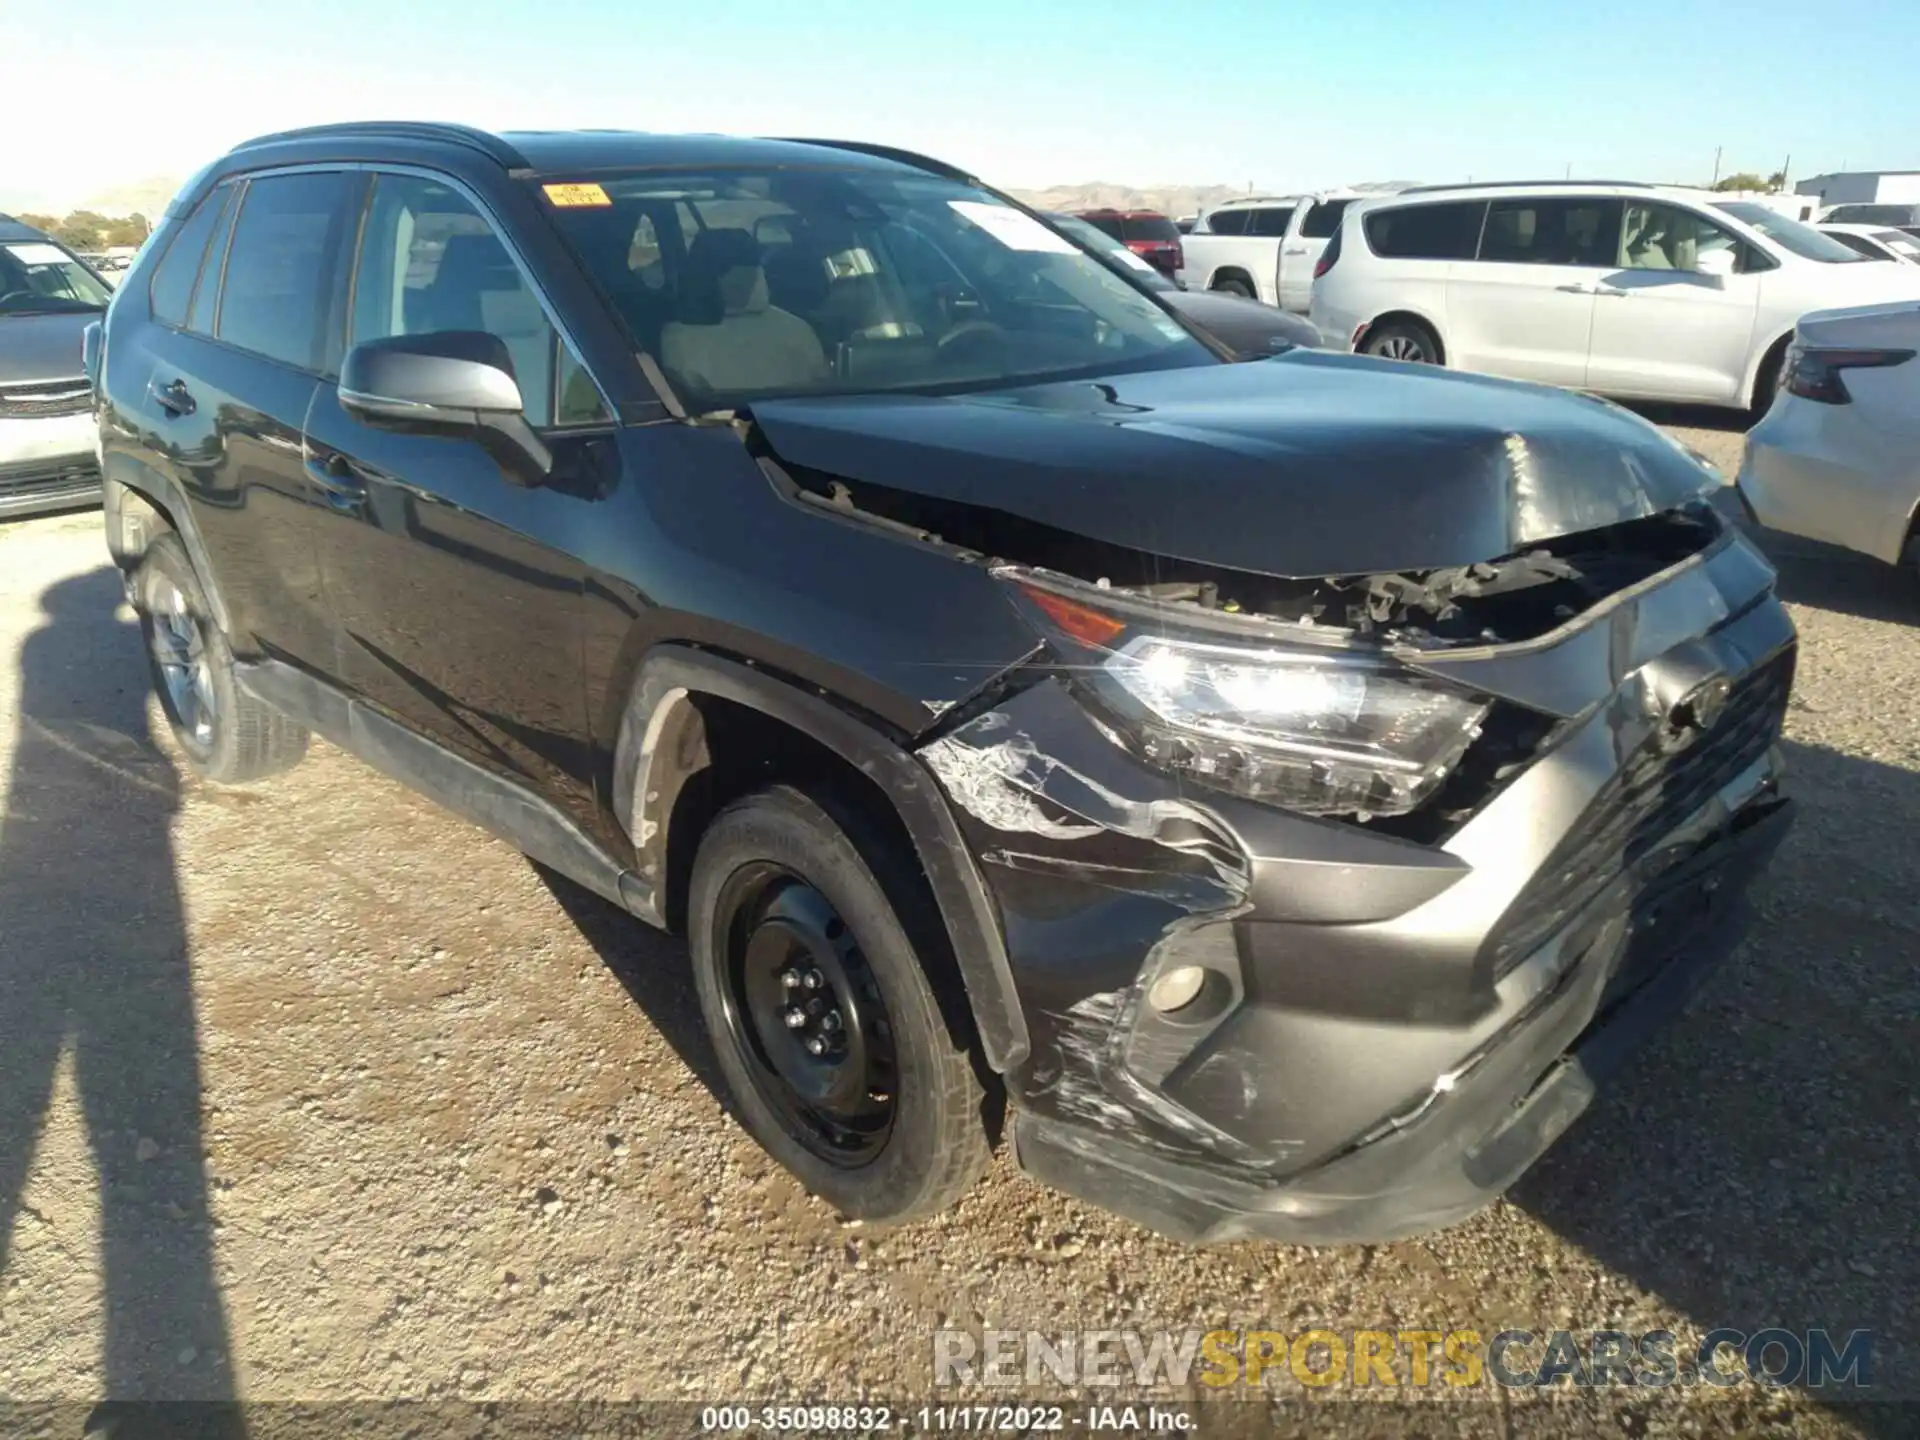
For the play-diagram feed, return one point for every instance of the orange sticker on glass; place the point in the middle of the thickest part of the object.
(569, 196)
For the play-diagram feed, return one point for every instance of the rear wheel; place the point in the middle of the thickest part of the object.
(226, 735)
(1405, 340)
(822, 1013)
(1231, 286)
(1767, 384)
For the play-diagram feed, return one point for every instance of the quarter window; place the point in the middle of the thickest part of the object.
(206, 295)
(1323, 219)
(430, 262)
(1553, 232)
(173, 279)
(1448, 231)
(278, 289)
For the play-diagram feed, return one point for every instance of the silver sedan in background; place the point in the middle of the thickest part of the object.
(1837, 457)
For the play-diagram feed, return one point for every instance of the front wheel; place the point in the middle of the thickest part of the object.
(1402, 340)
(226, 735)
(822, 1013)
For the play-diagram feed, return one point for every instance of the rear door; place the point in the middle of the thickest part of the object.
(457, 586)
(1661, 329)
(241, 303)
(1524, 306)
(1314, 226)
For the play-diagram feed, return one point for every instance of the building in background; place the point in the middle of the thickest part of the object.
(1864, 187)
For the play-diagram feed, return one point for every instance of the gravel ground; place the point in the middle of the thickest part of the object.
(309, 1091)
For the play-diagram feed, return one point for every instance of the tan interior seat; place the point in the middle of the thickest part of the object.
(728, 336)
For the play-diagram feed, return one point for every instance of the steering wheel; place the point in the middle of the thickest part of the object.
(965, 328)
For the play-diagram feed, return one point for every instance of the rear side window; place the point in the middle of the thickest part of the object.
(280, 265)
(1148, 227)
(1553, 232)
(1106, 224)
(1323, 219)
(1269, 222)
(1228, 222)
(180, 266)
(1872, 215)
(1448, 231)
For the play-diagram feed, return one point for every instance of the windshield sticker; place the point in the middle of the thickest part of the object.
(566, 197)
(1012, 229)
(39, 254)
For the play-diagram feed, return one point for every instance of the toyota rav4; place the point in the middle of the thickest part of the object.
(1273, 795)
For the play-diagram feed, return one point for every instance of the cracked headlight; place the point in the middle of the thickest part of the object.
(1323, 734)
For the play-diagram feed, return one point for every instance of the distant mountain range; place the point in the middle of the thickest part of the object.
(140, 197)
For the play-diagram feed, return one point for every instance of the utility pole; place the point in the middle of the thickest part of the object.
(1786, 173)
(1716, 167)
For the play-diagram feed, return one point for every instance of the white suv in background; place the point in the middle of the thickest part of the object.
(1638, 291)
(1263, 247)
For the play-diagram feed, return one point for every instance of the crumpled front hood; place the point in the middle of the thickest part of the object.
(42, 347)
(1311, 464)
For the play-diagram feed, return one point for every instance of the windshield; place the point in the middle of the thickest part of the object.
(37, 277)
(746, 284)
(1791, 235)
(1108, 248)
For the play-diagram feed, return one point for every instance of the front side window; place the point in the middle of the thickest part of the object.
(1550, 231)
(38, 277)
(278, 280)
(1270, 223)
(1446, 231)
(1666, 237)
(1871, 215)
(1900, 243)
(1790, 235)
(1861, 245)
(430, 262)
(1323, 219)
(793, 282)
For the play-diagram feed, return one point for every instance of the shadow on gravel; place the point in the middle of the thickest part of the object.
(652, 968)
(1758, 1167)
(93, 963)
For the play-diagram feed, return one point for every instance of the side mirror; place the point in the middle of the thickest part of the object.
(1714, 264)
(452, 382)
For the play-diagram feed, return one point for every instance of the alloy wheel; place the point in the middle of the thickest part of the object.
(179, 646)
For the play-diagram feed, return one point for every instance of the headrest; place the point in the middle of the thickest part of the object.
(727, 261)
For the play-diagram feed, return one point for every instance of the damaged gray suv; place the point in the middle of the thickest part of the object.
(1274, 795)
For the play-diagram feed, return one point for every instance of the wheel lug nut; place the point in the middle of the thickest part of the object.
(790, 979)
(816, 1046)
(830, 1021)
(796, 1018)
(813, 980)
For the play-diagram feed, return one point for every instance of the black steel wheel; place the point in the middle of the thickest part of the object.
(802, 1007)
(826, 981)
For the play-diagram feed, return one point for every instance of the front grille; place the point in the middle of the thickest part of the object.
(1654, 792)
(42, 399)
(34, 481)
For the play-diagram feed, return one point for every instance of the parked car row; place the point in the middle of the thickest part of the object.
(1633, 291)
(1281, 792)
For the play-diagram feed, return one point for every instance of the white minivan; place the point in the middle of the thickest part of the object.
(1638, 291)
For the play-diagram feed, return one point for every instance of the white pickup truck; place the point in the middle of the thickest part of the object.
(1264, 246)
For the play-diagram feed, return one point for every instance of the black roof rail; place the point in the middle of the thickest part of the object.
(490, 145)
(887, 152)
(1502, 184)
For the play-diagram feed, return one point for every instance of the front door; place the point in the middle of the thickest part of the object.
(1661, 329)
(455, 581)
(1524, 308)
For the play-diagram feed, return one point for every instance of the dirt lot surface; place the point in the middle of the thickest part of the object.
(311, 1091)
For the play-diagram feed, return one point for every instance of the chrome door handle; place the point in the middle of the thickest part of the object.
(1576, 290)
(1616, 294)
(1296, 250)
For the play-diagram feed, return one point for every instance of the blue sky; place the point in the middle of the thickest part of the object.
(1027, 92)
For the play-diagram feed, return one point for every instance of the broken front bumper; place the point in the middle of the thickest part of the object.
(1389, 1032)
